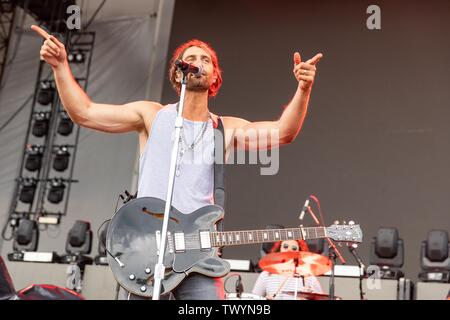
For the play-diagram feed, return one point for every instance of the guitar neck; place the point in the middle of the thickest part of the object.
(234, 238)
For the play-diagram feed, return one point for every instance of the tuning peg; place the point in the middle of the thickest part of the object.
(351, 223)
(336, 222)
(344, 222)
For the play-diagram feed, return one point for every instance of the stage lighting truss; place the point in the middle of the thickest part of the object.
(41, 122)
(61, 158)
(50, 144)
(46, 92)
(27, 190)
(33, 161)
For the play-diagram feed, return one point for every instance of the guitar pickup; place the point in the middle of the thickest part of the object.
(205, 240)
(179, 242)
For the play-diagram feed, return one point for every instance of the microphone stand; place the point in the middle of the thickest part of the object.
(159, 266)
(362, 268)
(333, 253)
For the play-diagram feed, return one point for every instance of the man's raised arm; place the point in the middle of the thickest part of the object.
(259, 135)
(102, 117)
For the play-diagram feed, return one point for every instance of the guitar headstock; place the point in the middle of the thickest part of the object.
(350, 233)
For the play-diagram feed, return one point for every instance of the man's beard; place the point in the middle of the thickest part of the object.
(197, 84)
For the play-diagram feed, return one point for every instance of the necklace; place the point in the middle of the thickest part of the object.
(191, 146)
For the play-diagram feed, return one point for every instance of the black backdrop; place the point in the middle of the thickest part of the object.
(375, 143)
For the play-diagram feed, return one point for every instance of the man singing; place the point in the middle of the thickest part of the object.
(154, 124)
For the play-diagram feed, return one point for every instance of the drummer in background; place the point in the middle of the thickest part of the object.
(274, 286)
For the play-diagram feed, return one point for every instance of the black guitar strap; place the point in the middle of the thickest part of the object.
(219, 168)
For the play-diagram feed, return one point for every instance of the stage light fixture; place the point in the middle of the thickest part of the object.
(46, 93)
(77, 56)
(79, 240)
(65, 126)
(26, 236)
(61, 159)
(28, 188)
(387, 252)
(41, 124)
(79, 245)
(56, 192)
(435, 257)
(34, 158)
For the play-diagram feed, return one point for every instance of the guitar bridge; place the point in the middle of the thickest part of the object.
(169, 241)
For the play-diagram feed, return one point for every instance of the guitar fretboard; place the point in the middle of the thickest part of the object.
(233, 238)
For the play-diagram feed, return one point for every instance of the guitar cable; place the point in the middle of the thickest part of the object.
(108, 220)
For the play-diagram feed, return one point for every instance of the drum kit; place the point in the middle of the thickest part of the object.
(298, 264)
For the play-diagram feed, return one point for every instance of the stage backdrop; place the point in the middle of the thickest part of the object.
(375, 145)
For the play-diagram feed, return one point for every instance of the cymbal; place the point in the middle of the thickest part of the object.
(311, 296)
(295, 263)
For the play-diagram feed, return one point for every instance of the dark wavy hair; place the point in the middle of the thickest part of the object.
(178, 54)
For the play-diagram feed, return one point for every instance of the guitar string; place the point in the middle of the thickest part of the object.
(293, 230)
(266, 234)
(257, 232)
(195, 239)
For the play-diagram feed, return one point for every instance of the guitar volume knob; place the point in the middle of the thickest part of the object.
(131, 277)
(143, 288)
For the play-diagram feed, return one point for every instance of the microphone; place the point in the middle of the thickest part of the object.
(305, 207)
(188, 68)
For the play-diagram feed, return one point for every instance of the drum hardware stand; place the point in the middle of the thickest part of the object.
(297, 276)
(159, 269)
(333, 253)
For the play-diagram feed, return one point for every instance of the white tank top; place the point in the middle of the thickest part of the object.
(195, 182)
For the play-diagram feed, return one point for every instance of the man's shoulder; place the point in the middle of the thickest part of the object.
(230, 122)
(147, 109)
(147, 104)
